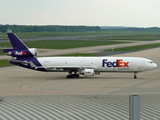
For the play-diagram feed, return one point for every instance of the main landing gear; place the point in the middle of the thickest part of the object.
(135, 75)
(73, 76)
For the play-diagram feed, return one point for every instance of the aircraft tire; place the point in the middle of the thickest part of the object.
(73, 76)
(135, 77)
(68, 76)
(77, 75)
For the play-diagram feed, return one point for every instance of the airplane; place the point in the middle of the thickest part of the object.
(75, 66)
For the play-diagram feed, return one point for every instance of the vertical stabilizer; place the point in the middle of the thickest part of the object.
(19, 50)
(16, 42)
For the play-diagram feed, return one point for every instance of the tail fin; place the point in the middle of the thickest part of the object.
(16, 42)
(19, 48)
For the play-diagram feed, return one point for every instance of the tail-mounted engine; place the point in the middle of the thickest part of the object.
(31, 52)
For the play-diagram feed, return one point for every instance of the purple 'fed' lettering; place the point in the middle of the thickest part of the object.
(118, 63)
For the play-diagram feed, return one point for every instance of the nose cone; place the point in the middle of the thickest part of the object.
(154, 65)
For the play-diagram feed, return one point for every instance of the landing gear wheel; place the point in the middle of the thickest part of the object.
(68, 76)
(77, 75)
(135, 75)
(73, 76)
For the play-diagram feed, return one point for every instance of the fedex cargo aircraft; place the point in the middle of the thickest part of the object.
(88, 66)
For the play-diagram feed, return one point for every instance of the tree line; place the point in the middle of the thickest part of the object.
(48, 28)
(61, 28)
(133, 29)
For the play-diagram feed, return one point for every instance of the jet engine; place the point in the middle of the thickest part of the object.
(87, 72)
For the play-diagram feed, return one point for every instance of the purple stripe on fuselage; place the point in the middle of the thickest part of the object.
(34, 60)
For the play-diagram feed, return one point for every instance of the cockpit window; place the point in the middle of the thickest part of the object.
(150, 62)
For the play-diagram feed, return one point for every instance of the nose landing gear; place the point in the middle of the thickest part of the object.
(135, 75)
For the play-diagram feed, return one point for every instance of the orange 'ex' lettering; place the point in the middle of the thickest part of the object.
(122, 64)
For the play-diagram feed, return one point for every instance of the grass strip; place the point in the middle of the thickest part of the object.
(64, 44)
(1, 52)
(4, 63)
(135, 48)
(126, 35)
(3, 36)
(137, 37)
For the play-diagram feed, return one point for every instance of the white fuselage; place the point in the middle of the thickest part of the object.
(100, 64)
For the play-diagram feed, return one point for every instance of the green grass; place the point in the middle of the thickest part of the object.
(80, 54)
(8, 44)
(135, 48)
(56, 34)
(1, 52)
(138, 37)
(3, 36)
(64, 44)
(4, 63)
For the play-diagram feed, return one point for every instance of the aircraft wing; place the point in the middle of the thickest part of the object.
(67, 67)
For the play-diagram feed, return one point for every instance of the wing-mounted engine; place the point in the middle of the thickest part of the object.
(87, 72)
(31, 52)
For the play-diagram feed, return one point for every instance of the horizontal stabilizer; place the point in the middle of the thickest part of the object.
(24, 62)
(18, 61)
(32, 64)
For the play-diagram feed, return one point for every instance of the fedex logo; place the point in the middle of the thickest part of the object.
(89, 72)
(117, 63)
(20, 53)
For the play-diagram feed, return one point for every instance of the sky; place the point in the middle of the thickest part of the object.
(129, 13)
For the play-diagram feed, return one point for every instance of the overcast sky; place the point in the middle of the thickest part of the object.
(134, 13)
